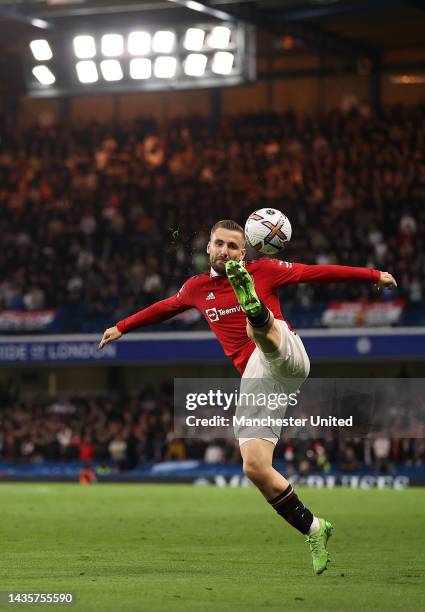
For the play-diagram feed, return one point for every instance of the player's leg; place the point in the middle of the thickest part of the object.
(267, 337)
(283, 351)
(273, 339)
(261, 326)
(257, 455)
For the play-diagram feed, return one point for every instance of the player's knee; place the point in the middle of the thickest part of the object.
(255, 470)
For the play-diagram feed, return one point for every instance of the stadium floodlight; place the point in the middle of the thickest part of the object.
(40, 23)
(195, 6)
(163, 41)
(41, 50)
(222, 62)
(112, 45)
(165, 67)
(111, 70)
(219, 37)
(139, 43)
(140, 68)
(179, 55)
(44, 75)
(195, 64)
(194, 39)
(87, 72)
(84, 47)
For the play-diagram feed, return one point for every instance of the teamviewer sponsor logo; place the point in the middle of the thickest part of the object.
(226, 311)
(212, 314)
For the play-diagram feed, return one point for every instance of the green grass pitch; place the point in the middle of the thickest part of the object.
(175, 547)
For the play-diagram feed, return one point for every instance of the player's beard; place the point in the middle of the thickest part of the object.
(218, 264)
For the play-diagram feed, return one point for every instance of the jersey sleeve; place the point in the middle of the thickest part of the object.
(287, 273)
(160, 311)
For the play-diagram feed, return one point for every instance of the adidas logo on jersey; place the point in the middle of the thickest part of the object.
(211, 296)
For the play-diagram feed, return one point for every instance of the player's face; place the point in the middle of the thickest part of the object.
(225, 245)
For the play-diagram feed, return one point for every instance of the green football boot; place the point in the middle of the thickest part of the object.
(243, 286)
(318, 543)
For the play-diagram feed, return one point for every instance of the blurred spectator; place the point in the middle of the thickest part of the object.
(117, 449)
(86, 449)
(175, 450)
(87, 475)
(347, 460)
(214, 453)
(131, 430)
(381, 454)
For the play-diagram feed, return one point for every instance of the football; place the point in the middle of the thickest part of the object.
(267, 230)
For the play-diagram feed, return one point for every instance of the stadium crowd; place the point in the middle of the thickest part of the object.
(99, 221)
(134, 430)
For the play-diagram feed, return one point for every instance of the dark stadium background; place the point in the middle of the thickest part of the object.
(106, 202)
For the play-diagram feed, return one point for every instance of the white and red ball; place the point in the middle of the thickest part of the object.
(267, 230)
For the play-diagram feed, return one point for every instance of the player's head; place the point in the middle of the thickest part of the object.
(227, 241)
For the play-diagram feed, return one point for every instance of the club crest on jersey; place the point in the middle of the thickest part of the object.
(211, 296)
(212, 314)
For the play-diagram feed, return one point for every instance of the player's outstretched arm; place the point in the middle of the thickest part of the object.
(112, 333)
(153, 314)
(285, 273)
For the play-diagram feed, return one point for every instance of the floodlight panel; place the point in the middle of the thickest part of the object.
(41, 50)
(195, 6)
(195, 64)
(87, 71)
(140, 68)
(219, 37)
(44, 75)
(163, 41)
(84, 47)
(165, 67)
(139, 43)
(222, 62)
(112, 45)
(111, 70)
(194, 39)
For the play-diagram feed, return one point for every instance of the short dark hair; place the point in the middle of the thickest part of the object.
(229, 225)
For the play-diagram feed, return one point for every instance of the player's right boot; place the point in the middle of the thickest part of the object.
(243, 286)
(318, 541)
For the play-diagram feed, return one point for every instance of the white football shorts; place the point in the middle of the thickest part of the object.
(283, 371)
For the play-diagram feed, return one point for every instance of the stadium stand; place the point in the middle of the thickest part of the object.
(131, 430)
(102, 220)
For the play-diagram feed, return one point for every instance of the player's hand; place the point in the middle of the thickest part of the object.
(386, 281)
(112, 333)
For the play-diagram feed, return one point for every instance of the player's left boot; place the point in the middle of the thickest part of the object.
(318, 543)
(243, 286)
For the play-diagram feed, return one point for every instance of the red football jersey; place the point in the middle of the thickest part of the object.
(214, 297)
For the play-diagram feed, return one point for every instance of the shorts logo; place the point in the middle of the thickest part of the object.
(212, 314)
